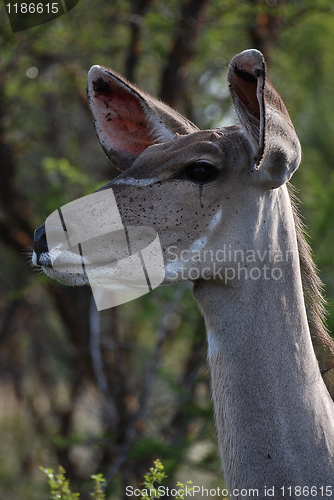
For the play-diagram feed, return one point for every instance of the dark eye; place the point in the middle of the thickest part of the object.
(201, 172)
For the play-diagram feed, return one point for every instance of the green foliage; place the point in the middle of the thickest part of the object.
(60, 488)
(156, 474)
(59, 485)
(98, 484)
(65, 182)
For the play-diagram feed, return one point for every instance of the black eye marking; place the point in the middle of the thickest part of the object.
(200, 172)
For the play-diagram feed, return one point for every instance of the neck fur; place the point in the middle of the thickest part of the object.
(274, 416)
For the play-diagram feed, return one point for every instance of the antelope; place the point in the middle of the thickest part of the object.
(221, 205)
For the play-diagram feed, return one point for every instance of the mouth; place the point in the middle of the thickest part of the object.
(126, 260)
(69, 272)
(71, 268)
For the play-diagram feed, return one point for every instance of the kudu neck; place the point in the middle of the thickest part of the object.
(259, 300)
(267, 388)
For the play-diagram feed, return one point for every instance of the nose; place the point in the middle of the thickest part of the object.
(40, 242)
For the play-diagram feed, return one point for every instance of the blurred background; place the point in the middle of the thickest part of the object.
(113, 392)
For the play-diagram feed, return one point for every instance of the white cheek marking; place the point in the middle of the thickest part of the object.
(173, 269)
(213, 344)
(216, 220)
(131, 181)
(198, 244)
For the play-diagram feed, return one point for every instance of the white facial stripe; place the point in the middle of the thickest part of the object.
(172, 269)
(216, 220)
(198, 244)
(131, 181)
(213, 343)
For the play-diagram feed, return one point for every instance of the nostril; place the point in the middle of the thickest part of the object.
(40, 243)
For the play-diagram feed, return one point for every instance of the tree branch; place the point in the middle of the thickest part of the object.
(182, 50)
(95, 349)
(139, 9)
(131, 431)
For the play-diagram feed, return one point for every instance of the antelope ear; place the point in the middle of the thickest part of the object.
(127, 120)
(265, 120)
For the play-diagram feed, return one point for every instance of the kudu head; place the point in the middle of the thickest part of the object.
(196, 190)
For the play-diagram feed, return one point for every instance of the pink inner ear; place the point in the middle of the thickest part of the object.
(247, 95)
(244, 80)
(121, 119)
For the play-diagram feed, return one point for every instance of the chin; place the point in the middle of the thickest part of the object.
(70, 278)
